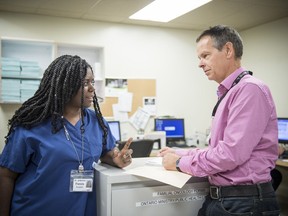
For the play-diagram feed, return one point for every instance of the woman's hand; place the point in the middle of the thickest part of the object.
(165, 151)
(123, 158)
(7, 181)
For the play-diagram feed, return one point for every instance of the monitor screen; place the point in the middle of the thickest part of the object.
(173, 127)
(115, 129)
(283, 130)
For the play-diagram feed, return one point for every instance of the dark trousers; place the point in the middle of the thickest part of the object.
(266, 204)
(276, 178)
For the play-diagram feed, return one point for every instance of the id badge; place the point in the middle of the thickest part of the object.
(81, 181)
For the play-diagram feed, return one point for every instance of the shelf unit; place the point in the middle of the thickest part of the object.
(43, 53)
(94, 56)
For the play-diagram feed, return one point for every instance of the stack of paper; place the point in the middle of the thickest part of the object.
(10, 66)
(30, 69)
(10, 90)
(28, 88)
(153, 169)
(14, 88)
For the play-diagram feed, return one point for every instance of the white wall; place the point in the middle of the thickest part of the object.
(266, 53)
(166, 55)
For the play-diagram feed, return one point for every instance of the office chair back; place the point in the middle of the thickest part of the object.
(140, 147)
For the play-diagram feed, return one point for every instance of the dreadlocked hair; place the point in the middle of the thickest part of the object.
(60, 83)
(100, 120)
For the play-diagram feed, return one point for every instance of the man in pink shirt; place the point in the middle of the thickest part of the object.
(243, 146)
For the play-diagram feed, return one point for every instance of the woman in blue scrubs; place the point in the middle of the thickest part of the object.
(54, 139)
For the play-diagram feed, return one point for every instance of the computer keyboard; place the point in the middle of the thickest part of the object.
(179, 144)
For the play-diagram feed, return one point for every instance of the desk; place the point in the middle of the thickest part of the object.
(282, 163)
(122, 194)
(281, 192)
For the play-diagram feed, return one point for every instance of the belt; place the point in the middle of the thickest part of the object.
(217, 192)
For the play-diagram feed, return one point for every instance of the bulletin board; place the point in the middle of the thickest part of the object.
(139, 88)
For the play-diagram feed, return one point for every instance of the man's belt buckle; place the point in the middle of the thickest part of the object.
(214, 192)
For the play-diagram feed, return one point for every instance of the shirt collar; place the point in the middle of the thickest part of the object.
(226, 84)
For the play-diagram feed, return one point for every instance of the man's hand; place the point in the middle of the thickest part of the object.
(169, 161)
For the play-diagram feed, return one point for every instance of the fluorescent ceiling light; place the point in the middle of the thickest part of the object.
(167, 10)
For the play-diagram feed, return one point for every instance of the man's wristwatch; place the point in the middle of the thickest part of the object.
(177, 165)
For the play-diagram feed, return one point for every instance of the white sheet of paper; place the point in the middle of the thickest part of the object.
(118, 115)
(159, 173)
(156, 161)
(149, 104)
(125, 101)
(140, 118)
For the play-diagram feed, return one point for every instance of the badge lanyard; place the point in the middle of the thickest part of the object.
(237, 80)
(81, 167)
(80, 180)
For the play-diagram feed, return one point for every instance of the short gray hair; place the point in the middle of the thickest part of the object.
(222, 34)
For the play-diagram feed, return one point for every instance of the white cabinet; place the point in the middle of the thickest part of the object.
(23, 63)
(22, 66)
(123, 194)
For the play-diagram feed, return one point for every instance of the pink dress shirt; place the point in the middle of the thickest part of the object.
(244, 139)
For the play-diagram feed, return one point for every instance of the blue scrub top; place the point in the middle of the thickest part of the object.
(44, 162)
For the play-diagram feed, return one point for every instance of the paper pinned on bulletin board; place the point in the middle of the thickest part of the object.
(114, 86)
(149, 104)
(125, 101)
(119, 115)
(124, 105)
(140, 119)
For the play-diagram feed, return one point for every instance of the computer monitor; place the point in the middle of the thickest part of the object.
(115, 129)
(283, 130)
(174, 128)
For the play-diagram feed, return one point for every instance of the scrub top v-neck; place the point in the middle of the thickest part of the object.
(45, 160)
